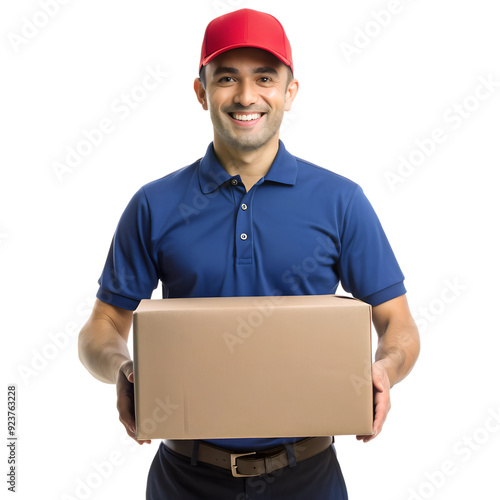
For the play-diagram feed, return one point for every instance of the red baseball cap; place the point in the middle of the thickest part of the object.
(245, 28)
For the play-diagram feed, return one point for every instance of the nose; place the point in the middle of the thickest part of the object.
(246, 94)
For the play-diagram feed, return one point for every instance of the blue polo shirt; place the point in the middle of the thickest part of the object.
(301, 229)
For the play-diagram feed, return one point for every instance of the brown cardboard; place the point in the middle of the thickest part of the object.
(239, 367)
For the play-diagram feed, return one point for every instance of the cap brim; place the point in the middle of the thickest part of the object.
(212, 56)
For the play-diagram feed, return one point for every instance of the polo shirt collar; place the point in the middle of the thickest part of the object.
(284, 168)
(212, 174)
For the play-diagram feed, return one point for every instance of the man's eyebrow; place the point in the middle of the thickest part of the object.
(234, 71)
(225, 69)
(266, 69)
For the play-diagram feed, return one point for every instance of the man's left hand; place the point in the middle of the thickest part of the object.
(381, 399)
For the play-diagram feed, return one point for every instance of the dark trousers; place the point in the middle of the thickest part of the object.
(172, 477)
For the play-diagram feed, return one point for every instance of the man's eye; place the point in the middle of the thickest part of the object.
(265, 79)
(226, 79)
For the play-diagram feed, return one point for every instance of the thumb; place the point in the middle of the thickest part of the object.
(379, 384)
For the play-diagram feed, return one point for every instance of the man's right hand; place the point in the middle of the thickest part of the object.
(125, 399)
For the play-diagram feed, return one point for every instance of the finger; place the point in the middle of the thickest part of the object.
(128, 429)
(366, 438)
(125, 400)
(139, 441)
(125, 413)
(128, 421)
(382, 407)
(125, 406)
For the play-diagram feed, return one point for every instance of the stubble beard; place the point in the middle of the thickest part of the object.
(247, 141)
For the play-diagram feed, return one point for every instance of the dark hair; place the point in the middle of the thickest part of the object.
(203, 76)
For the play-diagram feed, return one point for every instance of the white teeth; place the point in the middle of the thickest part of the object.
(246, 118)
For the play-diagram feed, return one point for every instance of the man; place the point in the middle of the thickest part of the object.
(244, 220)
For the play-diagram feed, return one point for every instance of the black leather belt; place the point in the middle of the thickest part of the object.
(252, 463)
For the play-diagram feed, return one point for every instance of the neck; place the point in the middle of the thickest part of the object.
(252, 164)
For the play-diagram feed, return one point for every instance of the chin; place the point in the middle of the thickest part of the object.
(249, 144)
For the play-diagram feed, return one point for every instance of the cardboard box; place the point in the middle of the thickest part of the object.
(241, 367)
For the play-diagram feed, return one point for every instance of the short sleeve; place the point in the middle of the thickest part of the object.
(130, 272)
(368, 268)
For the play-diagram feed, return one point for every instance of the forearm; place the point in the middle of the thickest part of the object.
(102, 350)
(398, 349)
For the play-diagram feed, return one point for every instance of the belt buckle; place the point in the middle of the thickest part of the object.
(234, 466)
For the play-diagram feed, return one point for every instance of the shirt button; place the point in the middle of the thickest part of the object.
(243, 236)
(234, 182)
(243, 206)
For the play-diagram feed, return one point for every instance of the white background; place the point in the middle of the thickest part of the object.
(356, 115)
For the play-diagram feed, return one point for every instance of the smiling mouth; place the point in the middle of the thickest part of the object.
(245, 117)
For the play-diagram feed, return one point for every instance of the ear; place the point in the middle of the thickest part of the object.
(290, 94)
(201, 94)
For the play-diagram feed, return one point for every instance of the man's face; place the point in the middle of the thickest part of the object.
(247, 92)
